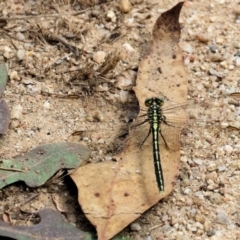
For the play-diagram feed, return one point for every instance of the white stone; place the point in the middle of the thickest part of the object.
(124, 96)
(125, 6)
(46, 105)
(16, 112)
(14, 75)
(20, 54)
(237, 62)
(20, 36)
(111, 16)
(99, 57)
(135, 227)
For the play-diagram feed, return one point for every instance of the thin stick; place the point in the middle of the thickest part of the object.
(159, 225)
(12, 169)
(9, 35)
(29, 199)
(44, 16)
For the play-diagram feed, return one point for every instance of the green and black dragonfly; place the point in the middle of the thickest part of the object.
(156, 116)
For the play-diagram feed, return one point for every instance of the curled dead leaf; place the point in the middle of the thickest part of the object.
(113, 194)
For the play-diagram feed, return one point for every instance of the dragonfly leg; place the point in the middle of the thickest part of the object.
(141, 123)
(164, 120)
(146, 137)
(166, 145)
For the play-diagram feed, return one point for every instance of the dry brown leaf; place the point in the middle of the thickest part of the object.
(113, 194)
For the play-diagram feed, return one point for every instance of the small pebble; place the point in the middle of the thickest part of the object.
(14, 76)
(219, 40)
(236, 124)
(125, 6)
(166, 228)
(212, 176)
(215, 198)
(99, 57)
(224, 125)
(102, 88)
(213, 48)
(228, 149)
(223, 219)
(108, 158)
(126, 51)
(128, 47)
(46, 105)
(198, 161)
(135, 227)
(16, 112)
(186, 47)
(124, 83)
(222, 168)
(199, 225)
(185, 182)
(213, 19)
(98, 115)
(20, 54)
(216, 73)
(237, 54)
(111, 16)
(101, 141)
(203, 37)
(210, 233)
(14, 124)
(215, 57)
(95, 13)
(199, 218)
(20, 36)
(124, 96)
(207, 225)
(237, 61)
(220, 151)
(7, 52)
(237, 219)
(28, 46)
(187, 191)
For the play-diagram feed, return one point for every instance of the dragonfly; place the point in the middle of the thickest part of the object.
(156, 117)
(165, 121)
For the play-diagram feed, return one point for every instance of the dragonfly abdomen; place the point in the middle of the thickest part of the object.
(154, 117)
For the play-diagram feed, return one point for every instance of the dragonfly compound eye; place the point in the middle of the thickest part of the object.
(159, 101)
(148, 102)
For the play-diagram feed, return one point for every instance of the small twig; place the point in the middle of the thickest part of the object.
(12, 169)
(51, 37)
(9, 35)
(159, 225)
(44, 16)
(29, 199)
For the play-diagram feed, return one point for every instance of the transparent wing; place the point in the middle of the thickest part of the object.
(178, 115)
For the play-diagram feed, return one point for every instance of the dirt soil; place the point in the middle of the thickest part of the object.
(72, 66)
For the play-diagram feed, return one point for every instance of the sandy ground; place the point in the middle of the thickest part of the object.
(56, 89)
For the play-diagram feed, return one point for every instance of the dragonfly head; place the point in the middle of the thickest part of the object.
(155, 100)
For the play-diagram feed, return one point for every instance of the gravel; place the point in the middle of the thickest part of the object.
(204, 204)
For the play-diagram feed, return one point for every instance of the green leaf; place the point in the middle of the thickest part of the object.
(4, 116)
(3, 75)
(38, 165)
(4, 111)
